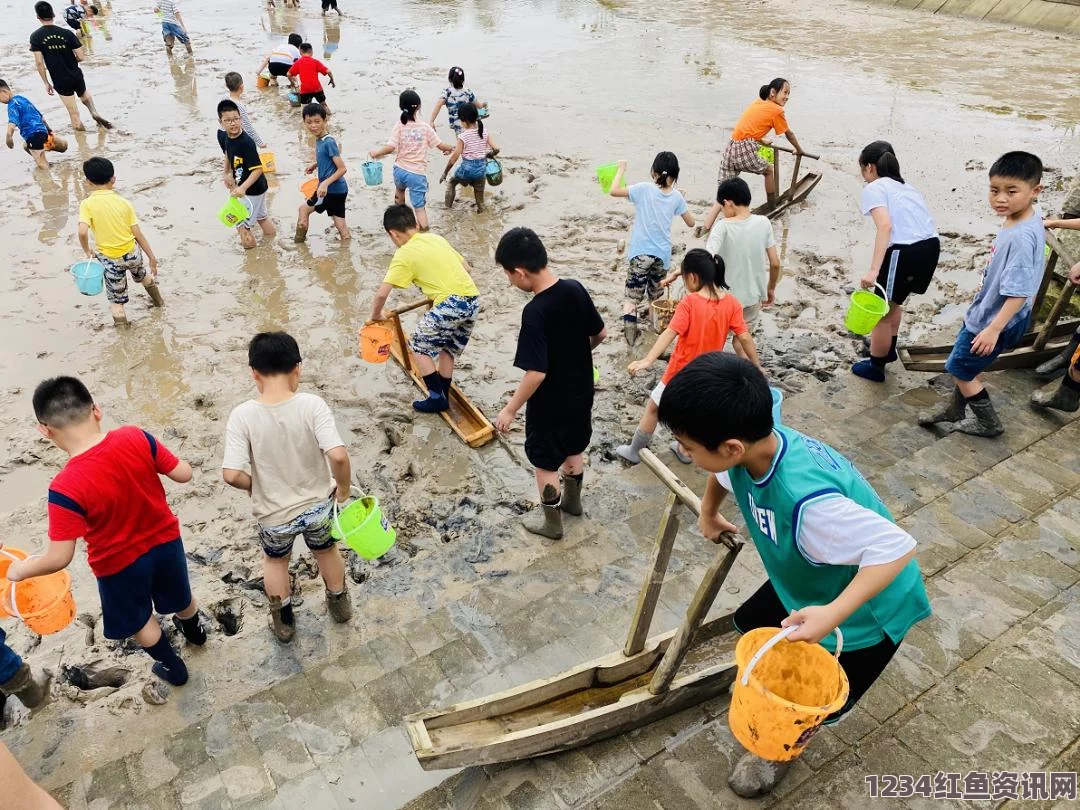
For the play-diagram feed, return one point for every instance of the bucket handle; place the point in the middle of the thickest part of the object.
(14, 601)
(784, 633)
(884, 294)
(353, 490)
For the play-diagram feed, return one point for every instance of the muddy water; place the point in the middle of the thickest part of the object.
(571, 84)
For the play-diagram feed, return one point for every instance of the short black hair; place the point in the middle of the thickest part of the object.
(305, 47)
(521, 247)
(735, 190)
(226, 105)
(313, 109)
(4, 85)
(296, 40)
(399, 218)
(716, 397)
(273, 353)
(1018, 166)
(99, 170)
(44, 11)
(62, 401)
(233, 81)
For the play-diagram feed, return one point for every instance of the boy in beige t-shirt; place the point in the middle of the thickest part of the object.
(285, 451)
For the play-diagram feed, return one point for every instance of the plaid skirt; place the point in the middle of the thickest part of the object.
(742, 156)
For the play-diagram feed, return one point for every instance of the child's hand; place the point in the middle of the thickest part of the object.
(815, 622)
(670, 278)
(770, 298)
(332, 82)
(10, 142)
(15, 572)
(622, 165)
(712, 526)
(985, 342)
(638, 365)
(320, 192)
(311, 168)
(868, 281)
(236, 192)
(445, 148)
(1074, 274)
(442, 178)
(505, 419)
(372, 155)
(153, 267)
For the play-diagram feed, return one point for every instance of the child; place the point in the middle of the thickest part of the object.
(741, 154)
(75, 14)
(24, 117)
(443, 275)
(411, 139)
(284, 450)
(474, 147)
(243, 172)
(308, 69)
(118, 239)
(332, 192)
(1067, 396)
(330, 4)
(234, 83)
(906, 249)
(998, 317)
(452, 98)
(172, 25)
(279, 61)
(657, 203)
(110, 494)
(559, 329)
(701, 322)
(832, 553)
(746, 243)
(17, 679)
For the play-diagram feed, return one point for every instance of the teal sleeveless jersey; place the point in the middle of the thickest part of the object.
(805, 470)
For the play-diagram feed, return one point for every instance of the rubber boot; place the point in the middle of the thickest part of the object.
(630, 332)
(301, 234)
(155, 294)
(121, 321)
(1064, 398)
(753, 776)
(983, 420)
(451, 192)
(952, 411)
(571, 495)
(631, 452)
(676, 448)
(31, 692)
(548, 523)
(284, 629)
(478, 194)
(1056, 365)
(339, 606)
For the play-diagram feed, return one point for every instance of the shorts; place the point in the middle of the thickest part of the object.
(329, 4)
(256, 203)
(446, 327)
(10, 661)
(764, 609)
(657, 393)
(314, 525)
(71, 85)
(158, 580)
(307, 98)
(332, 205)
(908, 269)
(416, 184)
(169, 29)
(742, 156)
(278, 69)
(644, 277)
(37, 141)
(966, 366)
(751, 315)
(116, 273)
(471, 170)
(548, 445)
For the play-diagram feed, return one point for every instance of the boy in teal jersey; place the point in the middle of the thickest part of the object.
(833, 554)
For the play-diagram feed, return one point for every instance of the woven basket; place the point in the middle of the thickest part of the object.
(662, 312)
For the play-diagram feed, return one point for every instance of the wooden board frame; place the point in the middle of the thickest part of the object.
(797, 191)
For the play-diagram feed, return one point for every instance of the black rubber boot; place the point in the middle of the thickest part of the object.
(571, 495)
(1064, 398)
(31, 692)
(983, 420)
(952, 411)
(1055, 366)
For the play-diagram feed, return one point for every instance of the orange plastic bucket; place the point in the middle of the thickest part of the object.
(783, 695)
(375, 340)
(8, 555)
(44, 604)
(309, 188)
(262, 81)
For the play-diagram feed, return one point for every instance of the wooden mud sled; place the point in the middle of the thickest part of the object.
(464, 418)
(1038, 345)
(652, 677)
(799, 189)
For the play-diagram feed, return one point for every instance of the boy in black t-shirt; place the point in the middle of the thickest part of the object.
(559, 329)
(57, 53)
(243, 172)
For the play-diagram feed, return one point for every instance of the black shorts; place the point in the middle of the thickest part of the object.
(36, 142)
(278, 68)
(911, 266)
(158, 580)
(329, 4)
(764, 609)
(307, 98)
(332, 205)
(72, 85)
(547, 445)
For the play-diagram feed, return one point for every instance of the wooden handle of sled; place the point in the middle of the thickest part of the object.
(688, 497)
(789, 150)
(409, 307)
(650, 588)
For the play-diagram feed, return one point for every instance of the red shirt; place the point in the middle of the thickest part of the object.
(702, 325)
(308, 69)
(111, 496)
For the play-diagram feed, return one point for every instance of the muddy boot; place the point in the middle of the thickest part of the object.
(630, 331)
(121, 321)
(953, 411)
(1056, 365)
(301, 234)
(478, 194)
(548, 523)
(677, 449)
(983, 421)
(1065, 398)
(753, 776)
(155, 294)
(30, 691)
(451, 192)
(630, 452)
(282, 622)
(339, 606)
(571, 494)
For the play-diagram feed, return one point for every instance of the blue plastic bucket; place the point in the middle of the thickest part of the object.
(372, 172)
(777, 401)
(89, 276)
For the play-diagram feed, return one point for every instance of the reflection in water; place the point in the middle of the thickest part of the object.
(265, 296)
(335, 274)
(147, 363)
(184, 78)
(331, 35)
(56, 185)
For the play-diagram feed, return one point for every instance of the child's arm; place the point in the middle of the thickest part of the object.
(180, 20)
(341, 469)
(241, 190)
(987, 339)
(688, 218)
(181, 473)
(84, 239)
(382, 151)
(57, 558)
(380, 301)
(793, 141)
(230, 181)
(598, 338)
(435, 110)
(882, 237)
(445, 148)
(1068, 224)
(238, 479)
(711, 523)
(453, 159)
(526, 388)
(330, 76)
(710, 218)
(747, 343)
(493, 150)
(659, 347)
(339, 172)
(617, 187)
(136, 231)
(774, 275)
(11, 136)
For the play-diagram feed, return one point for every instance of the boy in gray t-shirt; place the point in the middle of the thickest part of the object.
(998, 317)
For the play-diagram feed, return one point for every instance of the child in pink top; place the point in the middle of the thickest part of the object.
(411, 140)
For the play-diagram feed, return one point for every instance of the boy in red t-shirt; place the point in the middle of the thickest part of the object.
(109, 494)
(308, 68)
(701, 322)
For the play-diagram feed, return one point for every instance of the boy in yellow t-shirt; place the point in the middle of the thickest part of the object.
(118, 240)
(442, 274)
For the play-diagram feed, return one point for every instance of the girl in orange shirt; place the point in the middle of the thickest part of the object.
(701, 322)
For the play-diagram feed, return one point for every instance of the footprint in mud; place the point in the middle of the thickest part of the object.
(229, 615)
(97, 674)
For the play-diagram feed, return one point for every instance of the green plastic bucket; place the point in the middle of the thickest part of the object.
(766, 153)
(234, 212)
(865, 310)
(362, 527)
(606, 174)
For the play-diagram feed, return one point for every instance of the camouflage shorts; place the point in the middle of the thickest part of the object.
(446, 327)
(116, 273)
(644, 277)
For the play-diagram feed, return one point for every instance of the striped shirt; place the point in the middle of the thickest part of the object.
(245, 121)
(168, 9)
(475, 146)
(285, 55)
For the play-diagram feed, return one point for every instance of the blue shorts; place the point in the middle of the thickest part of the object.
(966, 366)
(158, 580)
(472, 170)
(10, 662)
(416, 184)
(169, 29)
(446, 327)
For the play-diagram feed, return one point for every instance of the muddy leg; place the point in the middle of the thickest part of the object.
(88, 102)
(478, 193)
(73, 113)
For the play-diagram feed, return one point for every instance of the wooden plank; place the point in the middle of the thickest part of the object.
(1023, 355)
(1048, 274)
(650, 588)
(1053, 317)
(688, 497)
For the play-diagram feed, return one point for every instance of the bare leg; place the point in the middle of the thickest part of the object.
(649, 419)
(39, 158)
(267, 226)
(170, 40)
(189, 611)
(276, 576)
(446, 364)
(149, 635)
(342, 229)
(247, 238)
(424, 364)
(770, 184)
(73, 113)
(547, 481)
(399, 196)
(421, 219)
(886, 329)
(88, 101)
(574, 465)
(332, 568)
(970, 388)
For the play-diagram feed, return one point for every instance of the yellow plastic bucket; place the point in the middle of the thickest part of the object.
(44, 604)
(362, 527)
(375, 342)
(783, 695)
(269, 161)
(865, 310)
